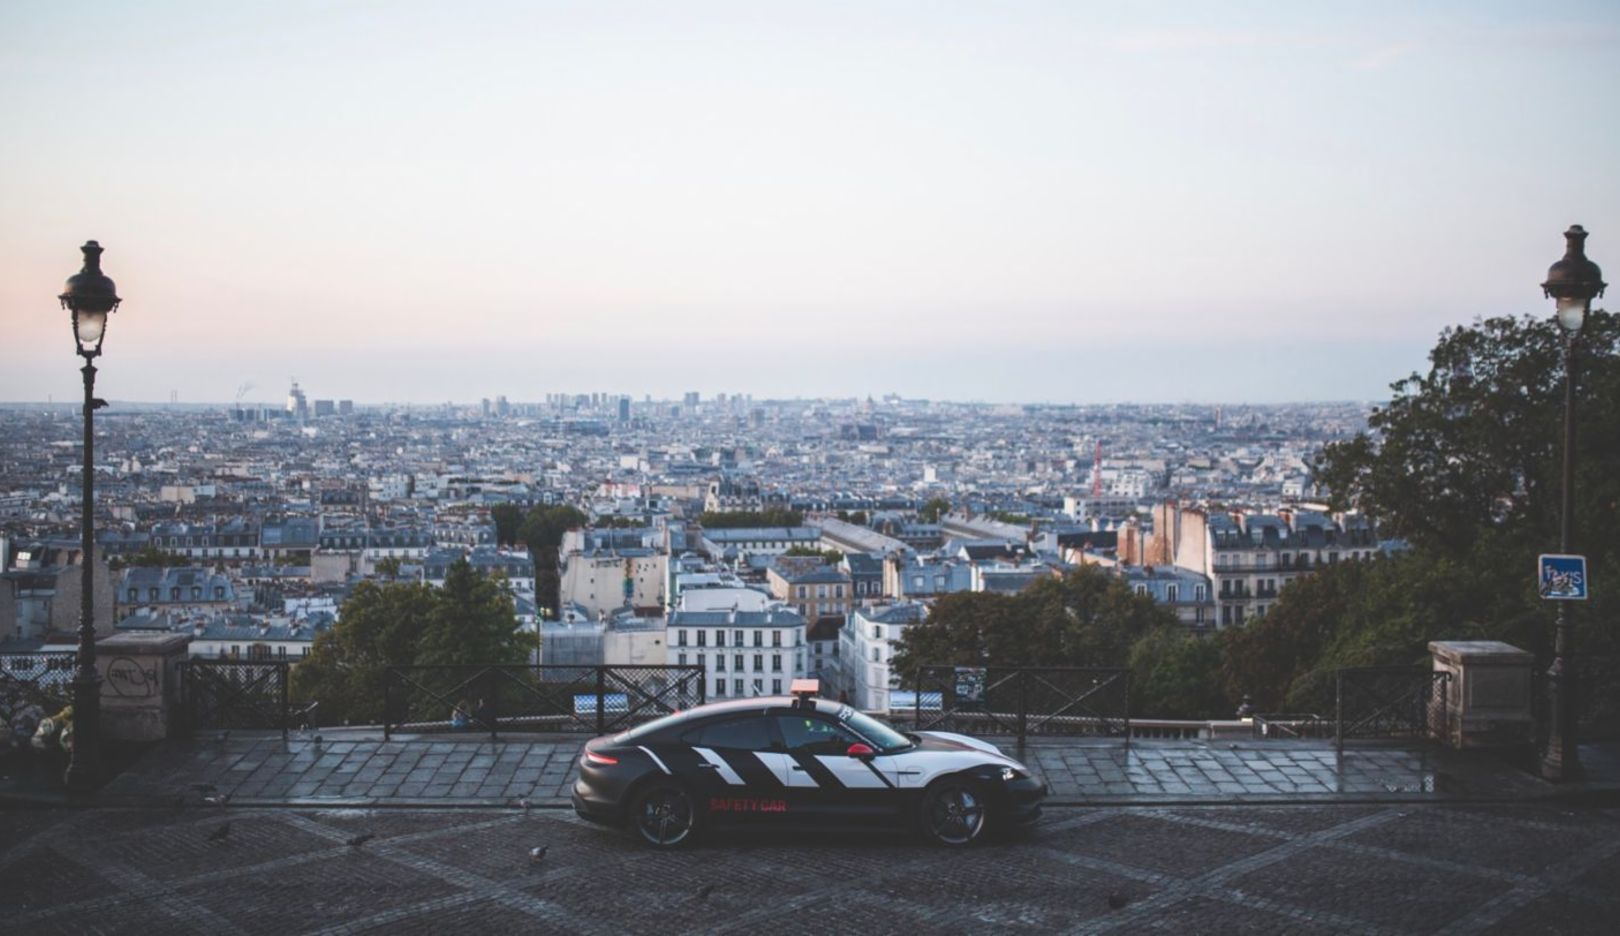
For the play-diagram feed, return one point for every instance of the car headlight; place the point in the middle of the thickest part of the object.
(1009, 774)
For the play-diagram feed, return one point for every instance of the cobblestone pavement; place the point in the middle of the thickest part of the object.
(475, 770)
(1370, 868)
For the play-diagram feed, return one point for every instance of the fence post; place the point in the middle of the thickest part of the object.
(489, 699)
(1023, 708)
(1338, 712)
(281, 673)
(601, 702)
(1127, 677)
(388, 704)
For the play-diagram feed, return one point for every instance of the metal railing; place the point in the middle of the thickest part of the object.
(1022, 701)
(42, 679)
(594, 699)
(1394, 702)
(225, 694)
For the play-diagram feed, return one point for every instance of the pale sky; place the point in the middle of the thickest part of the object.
(1064, 201)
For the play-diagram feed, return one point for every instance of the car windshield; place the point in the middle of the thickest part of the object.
(887, 739)
(658, 724)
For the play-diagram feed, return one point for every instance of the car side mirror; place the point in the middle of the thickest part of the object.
(860, 750)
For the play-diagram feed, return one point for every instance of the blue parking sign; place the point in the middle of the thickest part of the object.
(1562, 578)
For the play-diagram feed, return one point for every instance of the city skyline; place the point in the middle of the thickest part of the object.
(1045, 202)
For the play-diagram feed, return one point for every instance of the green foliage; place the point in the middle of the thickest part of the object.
(1176, 674)
(935, 508)
(148, 557)
(508, 520)
(738, 519)
(387, 566)
(470, 620)
(542, 531)
(828, 556)
(1087, 618)
(1466, 463)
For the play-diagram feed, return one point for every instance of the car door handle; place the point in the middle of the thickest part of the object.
(909, 773)
(708, 766)
(799, 769)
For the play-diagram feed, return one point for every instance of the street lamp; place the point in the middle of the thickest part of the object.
(91, 298)
(1572, 283)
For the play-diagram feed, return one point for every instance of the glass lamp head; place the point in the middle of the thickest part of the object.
(90, 297)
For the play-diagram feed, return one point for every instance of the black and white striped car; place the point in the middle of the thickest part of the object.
(797, 757)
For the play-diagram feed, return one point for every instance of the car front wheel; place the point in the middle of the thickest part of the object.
(663, 815)
(953, 813)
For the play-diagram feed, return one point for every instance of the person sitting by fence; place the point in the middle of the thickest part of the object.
(459, 717)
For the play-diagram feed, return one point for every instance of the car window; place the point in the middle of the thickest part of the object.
(738, 734)
(807, 734)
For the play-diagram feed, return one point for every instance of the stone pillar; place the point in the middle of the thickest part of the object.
(1488, 695)
(140, 684)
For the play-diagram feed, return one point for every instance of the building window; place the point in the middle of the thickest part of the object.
(759, 638)
(720, 663)
(720, 638)
(776, 687)
(737, 662)
(1172, 593)
(776, 638)
(737, 686)
(802, 591)
(776, 662)
(680, 638)
(680, 659)
(1198, 593)
(759, 662)
(737, 637)
(703, 638)
(719, 687)
(1141, 590)
(838, 591)
(877, 654)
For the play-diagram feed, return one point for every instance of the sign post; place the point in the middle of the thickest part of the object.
(1561, 577)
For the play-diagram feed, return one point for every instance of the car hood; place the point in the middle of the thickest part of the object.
(950, 741)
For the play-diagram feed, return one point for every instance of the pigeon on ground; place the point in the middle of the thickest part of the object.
(1116, 901)
(524, 803)
(704, 891)
(218, 835)
(537, 854)
(358, 840)
(219, 800)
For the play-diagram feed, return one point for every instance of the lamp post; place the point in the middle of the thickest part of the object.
(1572, 283)
(91, 298)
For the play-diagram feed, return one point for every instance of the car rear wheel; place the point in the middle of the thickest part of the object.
(953, 813)
(663, 815)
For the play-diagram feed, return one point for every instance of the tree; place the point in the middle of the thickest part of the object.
(542, 532)
(387, 566)
(737, 519)
(472, 622)
(508, 520)
(1086, 618)
(1465, 462)
(378, 626)
(935, 508)
(827, 556)
(1177, 674)
(148, 557)
(469, 621)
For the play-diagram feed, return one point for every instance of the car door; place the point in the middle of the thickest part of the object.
(736, 785)
(822, 776)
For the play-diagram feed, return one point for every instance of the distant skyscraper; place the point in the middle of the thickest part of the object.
(297, 404)
(624, 409)
(345, 407)
(502, 408)
(325, 408)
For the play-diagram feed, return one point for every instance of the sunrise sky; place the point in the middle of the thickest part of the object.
(1057, 201)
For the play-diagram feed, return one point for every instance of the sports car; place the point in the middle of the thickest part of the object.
(783, 758)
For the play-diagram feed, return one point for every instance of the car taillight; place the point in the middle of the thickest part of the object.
(599, 760)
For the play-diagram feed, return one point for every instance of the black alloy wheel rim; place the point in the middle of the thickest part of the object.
(956, 816)
(665, 817)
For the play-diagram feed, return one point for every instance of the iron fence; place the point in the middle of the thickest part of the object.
(224, 694)
(1396, 702)
(42, 679)
(594, 699)
(1293, 726)
(1021, 701)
